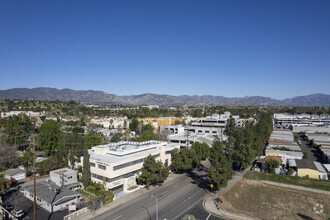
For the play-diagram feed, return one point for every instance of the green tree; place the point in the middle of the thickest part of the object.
(92, 139)
(50, 136)
(78, 129)
(42, 118)
(221, 170)
(184, 159)
(4, 183)
(147, 134)
(18, 128)
(116, 137)
(86, 174)
(153, 172)
(127, 133)
(111, 123)
(271, 165)
(201, 149)
(305, 155)
(134, 125)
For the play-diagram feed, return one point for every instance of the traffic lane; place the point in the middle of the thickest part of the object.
(174, 208)
(200, 213)
(169, 205)
(144, 207)
(139, 208)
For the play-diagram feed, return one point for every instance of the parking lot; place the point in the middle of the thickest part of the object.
(18, 201)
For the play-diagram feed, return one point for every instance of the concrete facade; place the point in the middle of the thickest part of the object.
(118, 164)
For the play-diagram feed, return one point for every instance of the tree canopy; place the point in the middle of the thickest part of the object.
(153, 172)
(221, 170)
(50, 136)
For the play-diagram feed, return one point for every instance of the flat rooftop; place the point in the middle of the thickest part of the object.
(113, 153)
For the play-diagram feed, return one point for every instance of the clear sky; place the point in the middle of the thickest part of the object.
(278, 48)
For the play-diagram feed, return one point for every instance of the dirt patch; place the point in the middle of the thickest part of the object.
(261, 201)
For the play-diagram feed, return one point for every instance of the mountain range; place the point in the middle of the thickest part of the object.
(100, 97)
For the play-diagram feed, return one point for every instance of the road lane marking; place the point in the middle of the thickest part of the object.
(208, 217)
(178, 190)
(117, 217)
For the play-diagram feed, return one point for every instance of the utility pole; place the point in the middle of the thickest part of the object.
(34, 179)
(156, 205)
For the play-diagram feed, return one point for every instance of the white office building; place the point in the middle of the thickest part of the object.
(204, 130)
(118, 164)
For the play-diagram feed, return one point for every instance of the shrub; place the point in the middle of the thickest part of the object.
(305, 155)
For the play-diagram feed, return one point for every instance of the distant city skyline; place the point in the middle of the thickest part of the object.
(278, 49)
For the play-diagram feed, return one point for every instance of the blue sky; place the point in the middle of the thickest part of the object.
(232, 48)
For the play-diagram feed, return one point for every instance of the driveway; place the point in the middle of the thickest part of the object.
(19, 201)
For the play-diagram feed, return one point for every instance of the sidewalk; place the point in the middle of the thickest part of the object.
(127, 198)
(210, 205)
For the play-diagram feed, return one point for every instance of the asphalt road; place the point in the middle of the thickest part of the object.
(179, 197)
(313, 155)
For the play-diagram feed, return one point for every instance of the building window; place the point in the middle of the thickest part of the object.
(102, 167)
(122, 176)
(214, 132)
(200, 131)
(92, 164)
(69, 177)
(127, 164)
(207, 131)
(168, 152)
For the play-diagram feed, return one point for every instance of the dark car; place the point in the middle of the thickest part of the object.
(9, 207)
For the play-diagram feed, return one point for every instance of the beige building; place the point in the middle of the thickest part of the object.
(117, 165)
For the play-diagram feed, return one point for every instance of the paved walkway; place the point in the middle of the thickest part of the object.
(210, 205)
(123, 200)
(296, 187)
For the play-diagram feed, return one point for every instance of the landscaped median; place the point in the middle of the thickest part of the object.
(292, 180)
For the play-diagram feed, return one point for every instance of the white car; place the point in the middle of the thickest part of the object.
(18, 213)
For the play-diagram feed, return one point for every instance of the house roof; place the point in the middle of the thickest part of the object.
(327, 167)
(320, 167)
(12, 172)
(306, 164)
(51, 193)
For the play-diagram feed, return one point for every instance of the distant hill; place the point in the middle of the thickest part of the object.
(100, 97)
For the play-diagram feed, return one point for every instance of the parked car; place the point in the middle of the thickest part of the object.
(19, 213)
(9, 207)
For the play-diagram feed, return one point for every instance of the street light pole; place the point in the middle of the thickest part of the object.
(156, 205)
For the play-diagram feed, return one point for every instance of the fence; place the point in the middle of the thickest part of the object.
(76, 214)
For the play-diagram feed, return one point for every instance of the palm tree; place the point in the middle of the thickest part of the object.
(4, 183)
(111, 122)
(127, 133)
